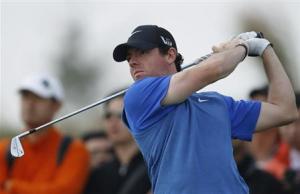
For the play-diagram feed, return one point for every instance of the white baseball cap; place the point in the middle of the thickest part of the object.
(43, 85)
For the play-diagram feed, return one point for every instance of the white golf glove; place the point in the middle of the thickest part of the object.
(248, 35)
(257, 46)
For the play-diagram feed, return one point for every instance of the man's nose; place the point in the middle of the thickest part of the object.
(133, 61)
(28, 101)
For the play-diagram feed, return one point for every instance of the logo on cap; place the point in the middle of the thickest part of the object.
(45, 83)
(135, 32)
(166, 41)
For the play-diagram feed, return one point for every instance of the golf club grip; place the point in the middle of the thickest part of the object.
(260, 35)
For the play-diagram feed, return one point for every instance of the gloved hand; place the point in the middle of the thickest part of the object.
(256, 46)
(253, 42)
(248, 35)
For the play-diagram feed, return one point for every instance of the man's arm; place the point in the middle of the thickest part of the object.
(218, 66)
(280, 107)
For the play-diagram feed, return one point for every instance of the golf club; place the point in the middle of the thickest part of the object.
(16, 148)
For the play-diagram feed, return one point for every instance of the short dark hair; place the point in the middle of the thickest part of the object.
(259, 91)
(179, 59)
(94, 135)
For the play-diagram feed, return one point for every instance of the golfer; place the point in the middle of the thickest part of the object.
(185, 137)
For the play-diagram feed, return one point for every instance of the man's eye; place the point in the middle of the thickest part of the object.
(128, 58)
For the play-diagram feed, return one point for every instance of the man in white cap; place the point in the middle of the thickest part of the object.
(53, 163)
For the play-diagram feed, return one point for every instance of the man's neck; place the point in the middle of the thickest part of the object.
(33, 138)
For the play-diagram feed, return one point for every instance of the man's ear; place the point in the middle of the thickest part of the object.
(171, 55)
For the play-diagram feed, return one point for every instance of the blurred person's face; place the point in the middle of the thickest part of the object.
(35, 110)
(100, 149)
(260, 97)
(117, 132)
(291, 133)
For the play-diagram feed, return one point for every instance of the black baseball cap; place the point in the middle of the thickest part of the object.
(145, 37)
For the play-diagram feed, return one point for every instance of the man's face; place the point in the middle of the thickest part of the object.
(100, 149)
(260, 97)
(35, 110)
(116, 131)
(150, 63)
(291, 133)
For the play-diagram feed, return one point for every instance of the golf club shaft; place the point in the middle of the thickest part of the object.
(197, 61)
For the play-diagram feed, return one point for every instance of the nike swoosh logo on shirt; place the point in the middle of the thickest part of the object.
(200, 100)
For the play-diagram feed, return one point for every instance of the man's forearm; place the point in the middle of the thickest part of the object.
(231, 58)
(218, 66)
(281, 92)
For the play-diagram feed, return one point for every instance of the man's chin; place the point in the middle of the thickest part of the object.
(117, 142)
(31, 124)
(139, 78)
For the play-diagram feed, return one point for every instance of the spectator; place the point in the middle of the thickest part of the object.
(291, 134)
(101, 152)
(127, 173)
(258, 181)
(52, 164)
(99, 147)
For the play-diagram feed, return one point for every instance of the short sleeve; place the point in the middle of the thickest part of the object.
(243, 116)
(142, 102)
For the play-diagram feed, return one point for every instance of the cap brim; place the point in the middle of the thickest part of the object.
(37, 92)
(120, 52)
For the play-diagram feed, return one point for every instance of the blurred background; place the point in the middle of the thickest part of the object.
(74, 40)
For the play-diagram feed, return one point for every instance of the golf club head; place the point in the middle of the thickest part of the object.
(16, 148)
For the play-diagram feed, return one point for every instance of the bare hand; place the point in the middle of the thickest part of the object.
(227, 45)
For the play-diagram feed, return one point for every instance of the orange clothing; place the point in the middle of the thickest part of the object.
(280, 163)
(283, 154)
(37, 171)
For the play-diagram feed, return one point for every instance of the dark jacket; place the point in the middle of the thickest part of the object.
(258, 181)
(112, 178)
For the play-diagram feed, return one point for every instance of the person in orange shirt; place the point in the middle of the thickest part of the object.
(53, 163)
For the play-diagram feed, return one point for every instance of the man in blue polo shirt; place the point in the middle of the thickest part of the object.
(185, 137)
